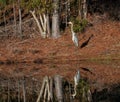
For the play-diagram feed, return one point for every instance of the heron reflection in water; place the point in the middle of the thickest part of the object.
(76, 81)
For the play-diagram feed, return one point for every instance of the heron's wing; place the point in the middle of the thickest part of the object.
(76, 42)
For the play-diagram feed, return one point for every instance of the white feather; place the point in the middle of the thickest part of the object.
(74, 37)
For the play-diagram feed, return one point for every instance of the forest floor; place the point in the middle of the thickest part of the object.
(98, 42)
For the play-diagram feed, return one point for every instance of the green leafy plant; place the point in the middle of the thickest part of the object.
(82, 90)
(79, 25)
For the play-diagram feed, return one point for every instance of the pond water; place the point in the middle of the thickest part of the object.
(102, 76)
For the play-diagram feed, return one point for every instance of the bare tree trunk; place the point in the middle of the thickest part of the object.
(38, 24)
(42, 25)
(68, 12)
(58, 88)
(8, 91)
(80, 12)
(24, 90)
(85, 9)
(55, 20)
(15, 26)
(18, 91)
(43, 21)
(42, 90)
(48, 26)
(51, 89)
(20, 20)
(70, 93)
(5, 20)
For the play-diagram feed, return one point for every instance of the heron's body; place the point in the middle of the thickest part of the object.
(74, 36)
(75, 39)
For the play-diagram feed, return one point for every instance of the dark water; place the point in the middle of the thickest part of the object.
(103, 78)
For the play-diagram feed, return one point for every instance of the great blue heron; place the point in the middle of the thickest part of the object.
(76, 81)
(74, 37)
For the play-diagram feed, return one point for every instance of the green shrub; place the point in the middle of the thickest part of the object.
(79, 25)
(82, 90)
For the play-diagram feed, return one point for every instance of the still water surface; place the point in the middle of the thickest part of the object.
(100, 75)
